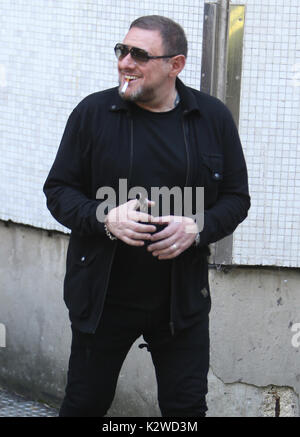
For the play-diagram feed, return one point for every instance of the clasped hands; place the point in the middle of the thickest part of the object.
(178, 235)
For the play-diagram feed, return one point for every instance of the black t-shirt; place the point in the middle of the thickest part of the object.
(138, 279)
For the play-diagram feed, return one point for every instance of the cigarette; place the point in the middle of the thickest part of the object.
(124, 87)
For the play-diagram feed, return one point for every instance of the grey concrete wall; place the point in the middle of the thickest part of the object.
(254, 365)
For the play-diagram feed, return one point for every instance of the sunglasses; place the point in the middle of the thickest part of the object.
(139, 55)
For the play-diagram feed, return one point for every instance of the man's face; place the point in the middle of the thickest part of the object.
(147, 78)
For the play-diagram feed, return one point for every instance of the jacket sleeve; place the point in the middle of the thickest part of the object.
(233, 201)
(65, 188)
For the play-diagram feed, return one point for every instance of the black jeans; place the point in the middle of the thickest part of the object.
(181, 363)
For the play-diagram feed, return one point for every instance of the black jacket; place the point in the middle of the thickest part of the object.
(87, 154)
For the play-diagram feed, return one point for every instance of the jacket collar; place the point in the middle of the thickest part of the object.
(187, 98)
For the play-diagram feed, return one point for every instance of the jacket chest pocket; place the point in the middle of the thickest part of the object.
(212, 176)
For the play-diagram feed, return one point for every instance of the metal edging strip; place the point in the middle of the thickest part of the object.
(211, 55)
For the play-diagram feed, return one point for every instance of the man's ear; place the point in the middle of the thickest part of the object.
(178, 63)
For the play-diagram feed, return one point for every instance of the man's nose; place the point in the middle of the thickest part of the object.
(127, 61)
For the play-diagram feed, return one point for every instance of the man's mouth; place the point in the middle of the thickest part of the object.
(130, 78)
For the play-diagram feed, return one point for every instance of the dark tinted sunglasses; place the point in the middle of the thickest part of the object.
(139, 55)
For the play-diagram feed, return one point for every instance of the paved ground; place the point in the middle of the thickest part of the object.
(15, 405)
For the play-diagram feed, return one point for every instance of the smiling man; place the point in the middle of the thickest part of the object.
(151, 82)
(134, 273)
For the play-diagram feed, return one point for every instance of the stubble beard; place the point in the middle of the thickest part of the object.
(141, 94)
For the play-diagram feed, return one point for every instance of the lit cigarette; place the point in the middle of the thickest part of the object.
(124, 87)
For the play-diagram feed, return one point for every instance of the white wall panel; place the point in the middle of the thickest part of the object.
(270, 132)
(53, 54)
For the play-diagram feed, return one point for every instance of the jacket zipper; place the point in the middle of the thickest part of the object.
(187, 152)
(171, 323)
(116, 242)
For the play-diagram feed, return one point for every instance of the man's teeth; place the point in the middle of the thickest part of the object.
(131, 77)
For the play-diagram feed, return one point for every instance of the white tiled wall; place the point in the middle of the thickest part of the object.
(270, 132)
(53, 53)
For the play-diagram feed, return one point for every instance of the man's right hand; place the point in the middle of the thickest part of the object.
(123, 223)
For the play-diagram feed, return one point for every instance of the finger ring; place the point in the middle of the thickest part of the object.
(174, 246)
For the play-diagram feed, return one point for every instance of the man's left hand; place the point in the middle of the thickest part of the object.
(178, 235)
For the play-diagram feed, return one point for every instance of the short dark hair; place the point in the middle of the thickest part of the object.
(173, 36)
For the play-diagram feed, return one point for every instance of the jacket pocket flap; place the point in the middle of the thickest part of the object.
(85, 260)
(214, 162)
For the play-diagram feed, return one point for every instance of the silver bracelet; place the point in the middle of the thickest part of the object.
(112, 237)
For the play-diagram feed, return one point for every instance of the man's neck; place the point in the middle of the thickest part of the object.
(162, 105)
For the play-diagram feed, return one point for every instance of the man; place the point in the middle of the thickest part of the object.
(136, 273)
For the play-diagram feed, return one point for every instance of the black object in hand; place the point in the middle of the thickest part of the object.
(159, 227)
